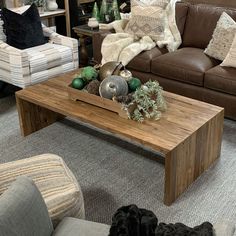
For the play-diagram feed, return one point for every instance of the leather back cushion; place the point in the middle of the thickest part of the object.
(181, 15)
(201, 22)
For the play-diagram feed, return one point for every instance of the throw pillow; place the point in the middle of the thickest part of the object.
(23, 31)
(23, 210)
(2, 35)
(222, 37)
(230, 59)
(147, 19)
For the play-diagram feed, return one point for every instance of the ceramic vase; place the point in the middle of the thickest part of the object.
(93, 23)
(52, 5)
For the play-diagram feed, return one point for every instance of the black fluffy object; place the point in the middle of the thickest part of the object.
(179, 229)
(23, 30)
(133, 221)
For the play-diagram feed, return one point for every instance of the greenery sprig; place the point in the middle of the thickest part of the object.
(148, 102)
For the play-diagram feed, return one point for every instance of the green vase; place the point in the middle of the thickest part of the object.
(95, 12)
(116, 11)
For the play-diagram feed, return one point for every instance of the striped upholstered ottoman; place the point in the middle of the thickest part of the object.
(55, 181)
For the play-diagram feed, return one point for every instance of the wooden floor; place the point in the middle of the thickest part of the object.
(189, 133)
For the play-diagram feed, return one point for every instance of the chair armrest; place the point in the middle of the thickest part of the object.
(60, 39)
(63, 40)
(7, 49)
(13, 56)
(14, 62)
(97, 45)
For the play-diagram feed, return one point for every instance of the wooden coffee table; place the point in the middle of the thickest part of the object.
(188, 135)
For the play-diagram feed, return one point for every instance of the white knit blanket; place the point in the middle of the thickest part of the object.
(123, 47)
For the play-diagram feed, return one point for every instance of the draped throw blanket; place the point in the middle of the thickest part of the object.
(152, 24)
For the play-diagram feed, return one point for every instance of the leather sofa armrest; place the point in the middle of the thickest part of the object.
(97, 45)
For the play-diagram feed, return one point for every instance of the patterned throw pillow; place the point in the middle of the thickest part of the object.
(230, 59)
(147, 18)
(222, 37)
(2, 34)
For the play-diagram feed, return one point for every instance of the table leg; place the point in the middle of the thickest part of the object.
(33, 117)
(192, 157)
(83, 55)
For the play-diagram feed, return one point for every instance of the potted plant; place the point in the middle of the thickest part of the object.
(41, 4)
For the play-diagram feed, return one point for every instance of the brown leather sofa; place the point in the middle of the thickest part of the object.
(188, 71)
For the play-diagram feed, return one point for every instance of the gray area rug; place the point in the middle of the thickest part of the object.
(113, 173)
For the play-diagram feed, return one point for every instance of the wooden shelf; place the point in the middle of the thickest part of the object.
(85, 1)
(49, 14)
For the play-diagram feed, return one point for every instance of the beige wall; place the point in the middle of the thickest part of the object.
(9, 3)
(14, 3)
(230, 3)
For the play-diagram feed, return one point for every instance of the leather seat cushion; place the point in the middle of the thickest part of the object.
(186, 64)
(221, 79)
(142, 62)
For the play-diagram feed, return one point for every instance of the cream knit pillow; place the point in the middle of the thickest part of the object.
(147, 18)
(230, 59)
(222, 37)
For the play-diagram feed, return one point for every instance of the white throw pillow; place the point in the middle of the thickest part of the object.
(230, 59)
(222, 37)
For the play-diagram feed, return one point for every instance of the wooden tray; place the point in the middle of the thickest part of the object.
(79, 95)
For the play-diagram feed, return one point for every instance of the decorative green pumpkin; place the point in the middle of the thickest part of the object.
(89, 73)
(78, 83)
(134, 83)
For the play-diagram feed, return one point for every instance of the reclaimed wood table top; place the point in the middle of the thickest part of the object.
(183, 117)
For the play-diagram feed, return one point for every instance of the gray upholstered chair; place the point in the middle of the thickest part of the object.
(23, 212)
